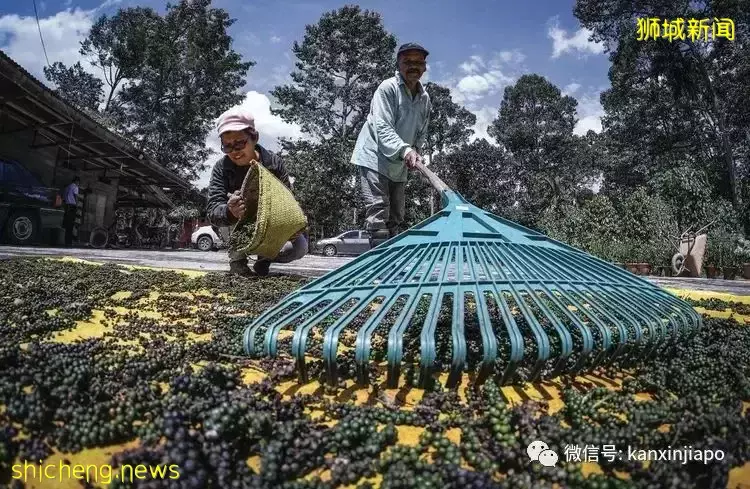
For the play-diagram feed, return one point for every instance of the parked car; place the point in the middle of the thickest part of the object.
(27, 208)
(347, 243)
(206, 239)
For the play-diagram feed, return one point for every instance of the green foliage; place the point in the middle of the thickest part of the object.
(168, 76)
(674, 100)
(450, 124)
(327, 197)
(74, 84)
(341, 61)
(550, 164)
(722, 248)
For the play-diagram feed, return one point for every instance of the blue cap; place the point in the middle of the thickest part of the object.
(411, 46)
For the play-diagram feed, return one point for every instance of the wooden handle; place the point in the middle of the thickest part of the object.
(435, 181)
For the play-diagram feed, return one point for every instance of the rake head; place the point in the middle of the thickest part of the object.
(466, 290)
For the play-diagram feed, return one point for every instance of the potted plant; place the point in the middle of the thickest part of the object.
(742, 252)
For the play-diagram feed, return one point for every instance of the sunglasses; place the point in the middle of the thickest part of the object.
(235, 146)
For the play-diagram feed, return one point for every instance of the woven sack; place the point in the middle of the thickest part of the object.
(274, 209)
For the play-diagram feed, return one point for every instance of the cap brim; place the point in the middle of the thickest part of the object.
(423, 51)
(233, 126)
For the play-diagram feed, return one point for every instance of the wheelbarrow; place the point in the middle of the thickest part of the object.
(690, 247)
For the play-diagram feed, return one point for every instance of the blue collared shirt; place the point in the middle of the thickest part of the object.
(397, 121)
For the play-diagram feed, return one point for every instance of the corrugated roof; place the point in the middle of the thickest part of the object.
(90, 122)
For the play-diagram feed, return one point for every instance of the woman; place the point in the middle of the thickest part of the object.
(239, 143)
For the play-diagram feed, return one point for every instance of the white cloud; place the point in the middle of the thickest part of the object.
(270, 127)
(571, 88)
(507, 57)
(578, 41)
(275, 39)
(473, 65)
(62, 34)
(590, 113)
(485, 116)
(481, 76)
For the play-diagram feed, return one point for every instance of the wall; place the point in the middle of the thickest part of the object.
(99, 209)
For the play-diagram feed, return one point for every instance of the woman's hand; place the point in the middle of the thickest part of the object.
(236, 205)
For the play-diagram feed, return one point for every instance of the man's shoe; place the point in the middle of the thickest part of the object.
(262, 267)
(239, 267)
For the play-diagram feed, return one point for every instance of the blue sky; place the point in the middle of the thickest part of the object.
(478, 47)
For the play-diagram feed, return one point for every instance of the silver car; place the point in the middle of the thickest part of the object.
(347, 243)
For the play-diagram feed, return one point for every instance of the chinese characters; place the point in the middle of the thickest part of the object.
(653, 28)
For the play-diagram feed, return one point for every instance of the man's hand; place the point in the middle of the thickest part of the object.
(411, 158)
(236, 205)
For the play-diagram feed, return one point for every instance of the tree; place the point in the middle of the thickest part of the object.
(118, 46)
(75, 85)
(168, 77)
(681, 75)
(322, 195)
(450, 124)
(190, 75)
(535, 125)
(341, 61)
(480, 172)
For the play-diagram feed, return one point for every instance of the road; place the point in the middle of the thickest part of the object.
(309, 266)
(206, 261)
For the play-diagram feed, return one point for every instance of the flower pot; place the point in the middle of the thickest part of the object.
(746, 270)
(711, 271)
(668, 272)
(729, 273)
(644, 268)
(632, 267)
(620, 265)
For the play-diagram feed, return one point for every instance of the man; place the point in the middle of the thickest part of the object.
(390, 142)
(239, 142)
(70, 197)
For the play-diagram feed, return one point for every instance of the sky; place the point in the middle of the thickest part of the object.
(477, 48)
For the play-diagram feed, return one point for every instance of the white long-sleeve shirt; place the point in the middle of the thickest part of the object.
(396, 123)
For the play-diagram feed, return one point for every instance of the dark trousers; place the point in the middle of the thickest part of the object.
(69, 220)
(385, 201)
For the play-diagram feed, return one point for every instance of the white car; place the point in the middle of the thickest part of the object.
(205, 239)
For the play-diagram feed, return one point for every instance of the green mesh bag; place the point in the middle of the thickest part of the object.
(272, 215)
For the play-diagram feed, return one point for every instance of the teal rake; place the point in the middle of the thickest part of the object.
(501, 296)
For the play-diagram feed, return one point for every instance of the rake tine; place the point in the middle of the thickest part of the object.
(644, 315)
(427, 339)
(272, 331)
(586, 336)
(248, 338)
(542, 340)
(299, 340)
(489, 340)
(364, 336)
(622, 335)
(604, 333)
(331, 337)
(459, 339)
(396, 337)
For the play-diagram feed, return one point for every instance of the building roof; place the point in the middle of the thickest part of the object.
(81, 138)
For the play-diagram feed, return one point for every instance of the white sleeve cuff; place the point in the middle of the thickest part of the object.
(408, 150)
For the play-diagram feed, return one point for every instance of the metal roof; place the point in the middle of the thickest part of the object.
(82, 138)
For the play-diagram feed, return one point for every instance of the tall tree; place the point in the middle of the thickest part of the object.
(75, 85)
(450, 127)
(168, 77)
(341, 61)
(190, 75)
(535, 125)
(450, 123)
(118, 46)
(685, 70)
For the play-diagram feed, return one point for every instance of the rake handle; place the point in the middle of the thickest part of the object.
(435, 181)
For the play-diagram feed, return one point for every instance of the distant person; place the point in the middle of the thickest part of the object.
(239, 142)
(390, 142)
(70, 202)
